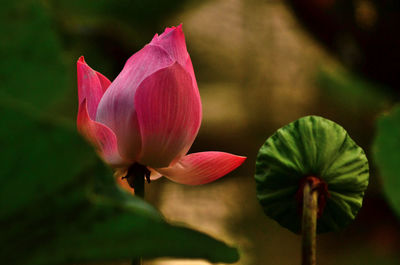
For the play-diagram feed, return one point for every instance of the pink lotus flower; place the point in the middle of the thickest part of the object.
(150, 114)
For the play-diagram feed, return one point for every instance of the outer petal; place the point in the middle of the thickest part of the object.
(169, 115)
(91, 86)
(154, 175)
(100, 136)
(202, 168)
(173, 41)
(117, 109)
(105, 83)
(189, 68)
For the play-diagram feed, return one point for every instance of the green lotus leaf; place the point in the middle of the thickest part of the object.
(311, 146)
(386, 151)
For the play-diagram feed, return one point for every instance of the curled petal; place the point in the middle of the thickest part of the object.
(173, 41)
(169, 115)
(117, 109)
(91, 86)
(99, 135)
(201, 168)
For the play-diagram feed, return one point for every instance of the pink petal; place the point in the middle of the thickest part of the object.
(91, 86)
(189, 67)
(154, 38)
(173, 41)
(169, 115)
(154, 175)
(202, 168)
(100, 136)
(105, 83)
(117, 109)
(167, 30)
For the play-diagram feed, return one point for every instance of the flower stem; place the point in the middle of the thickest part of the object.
(138, 186)
(135, 177)
(309, 225)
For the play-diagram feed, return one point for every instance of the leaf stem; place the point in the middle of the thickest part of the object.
(309, 225)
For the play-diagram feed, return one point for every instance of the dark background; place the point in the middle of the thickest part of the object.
(259, 65)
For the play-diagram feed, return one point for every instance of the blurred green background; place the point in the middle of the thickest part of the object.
(259, 65)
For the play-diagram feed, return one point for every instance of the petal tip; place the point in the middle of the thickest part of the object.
(81, 59)
(168, 30)
(241, 159)
(155, 38)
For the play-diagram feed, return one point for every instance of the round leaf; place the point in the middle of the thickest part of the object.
(311, 146)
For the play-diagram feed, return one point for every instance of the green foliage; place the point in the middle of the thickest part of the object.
(135, 12)
(360, 94)
(311, 146)
(58, 203)
(30, 55)
(386, 151)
